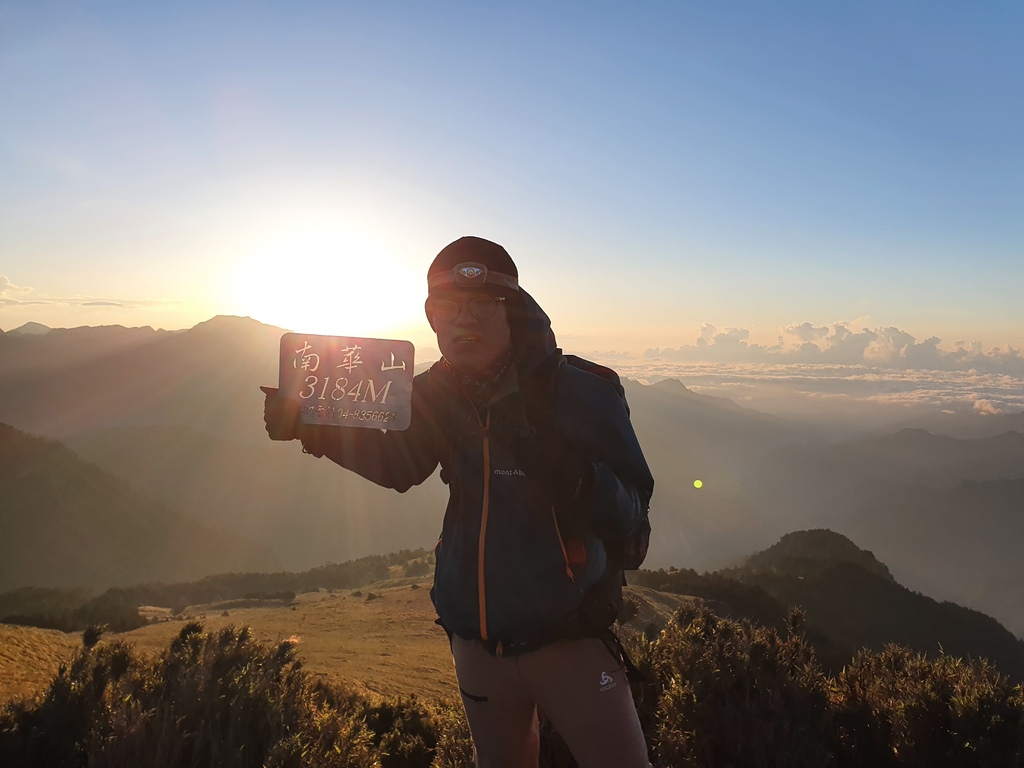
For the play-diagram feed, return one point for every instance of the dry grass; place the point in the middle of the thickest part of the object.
(388, 645)
(29, 658)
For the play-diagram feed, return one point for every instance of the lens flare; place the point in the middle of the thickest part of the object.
(698, 483)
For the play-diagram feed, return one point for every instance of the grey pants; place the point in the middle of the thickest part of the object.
(578, 684)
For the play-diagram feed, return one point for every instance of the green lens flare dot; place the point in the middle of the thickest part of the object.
(698, 483)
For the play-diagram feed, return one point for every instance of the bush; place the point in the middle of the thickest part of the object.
(900, 708)
(209, 699)
(418, 567)
(717, 692)
(721, 692)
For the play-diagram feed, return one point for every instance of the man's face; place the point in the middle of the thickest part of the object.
(470, 340)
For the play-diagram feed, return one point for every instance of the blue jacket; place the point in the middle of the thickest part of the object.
(510, 562)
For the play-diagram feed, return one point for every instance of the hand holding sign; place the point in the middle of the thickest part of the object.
(280, 415)
(341, 381)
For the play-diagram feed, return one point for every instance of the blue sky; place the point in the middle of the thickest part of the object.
(651, 168)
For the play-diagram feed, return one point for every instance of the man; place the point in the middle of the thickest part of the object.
(543, 469)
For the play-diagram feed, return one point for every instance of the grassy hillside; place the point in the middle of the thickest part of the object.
(369, 622)
(715, 692)
(30, 657)
(380, 638)
(364, 673)
(177, 416)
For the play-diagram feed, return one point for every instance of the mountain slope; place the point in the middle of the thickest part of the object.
(803, 553)
(67, 523)
(308, 511)
(687, 436)
(178, 415)
(77, 380)
(851, 599)
(30, 329)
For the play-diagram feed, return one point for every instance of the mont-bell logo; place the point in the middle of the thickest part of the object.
(510, 472)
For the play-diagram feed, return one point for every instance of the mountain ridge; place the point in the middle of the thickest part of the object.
(760, 476)
(30, 329)
(853, 600)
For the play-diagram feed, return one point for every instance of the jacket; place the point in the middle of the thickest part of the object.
(513, 559)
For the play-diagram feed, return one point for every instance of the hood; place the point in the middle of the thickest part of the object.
(532, 338)
(531, 333)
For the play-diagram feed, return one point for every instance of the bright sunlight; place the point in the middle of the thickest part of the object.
(327, 281)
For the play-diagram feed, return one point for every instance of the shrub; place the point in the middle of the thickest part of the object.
(403, 732)
(209, 699)
(418, 567)
(898, 707)
(717, 692)
(722, 692)
(454, 745)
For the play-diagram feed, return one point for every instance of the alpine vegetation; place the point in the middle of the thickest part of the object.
(713, 692)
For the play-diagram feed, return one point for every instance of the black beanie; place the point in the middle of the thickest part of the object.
(481, 264)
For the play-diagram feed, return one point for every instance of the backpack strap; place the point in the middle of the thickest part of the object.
(537, 395)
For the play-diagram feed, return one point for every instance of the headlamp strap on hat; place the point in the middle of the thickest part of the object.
(471, 274)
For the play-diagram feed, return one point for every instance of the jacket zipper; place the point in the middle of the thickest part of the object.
(481, 585)
(561, 543)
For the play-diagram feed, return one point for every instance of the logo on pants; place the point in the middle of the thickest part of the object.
(607, 683)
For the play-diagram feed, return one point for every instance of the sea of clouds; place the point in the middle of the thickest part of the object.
(818, 370)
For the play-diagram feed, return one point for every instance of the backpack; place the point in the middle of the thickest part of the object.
(626, 553)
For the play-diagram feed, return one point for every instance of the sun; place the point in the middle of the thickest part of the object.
(326, 281)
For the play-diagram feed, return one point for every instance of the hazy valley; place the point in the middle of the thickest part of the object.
(170, 425)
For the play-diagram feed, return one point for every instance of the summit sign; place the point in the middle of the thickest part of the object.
(347, 381)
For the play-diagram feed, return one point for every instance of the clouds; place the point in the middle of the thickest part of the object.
(838, 344)
(807, 333)
(863, 377)
(12, 295)
(860, 395)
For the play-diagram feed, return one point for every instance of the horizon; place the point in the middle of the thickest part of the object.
(854, 382)
(701, 183)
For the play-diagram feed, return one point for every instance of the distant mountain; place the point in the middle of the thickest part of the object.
(309, 511)
(968, 424)
(30, 329)
(803, 552)
(851, 599)
(67, 523)
(77, 380)
(179, 415)
(822, 484)
(79, 384)
(944, 513)
(939, 456)
(687, 436)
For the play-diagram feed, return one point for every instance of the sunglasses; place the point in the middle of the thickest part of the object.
(447, 310)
